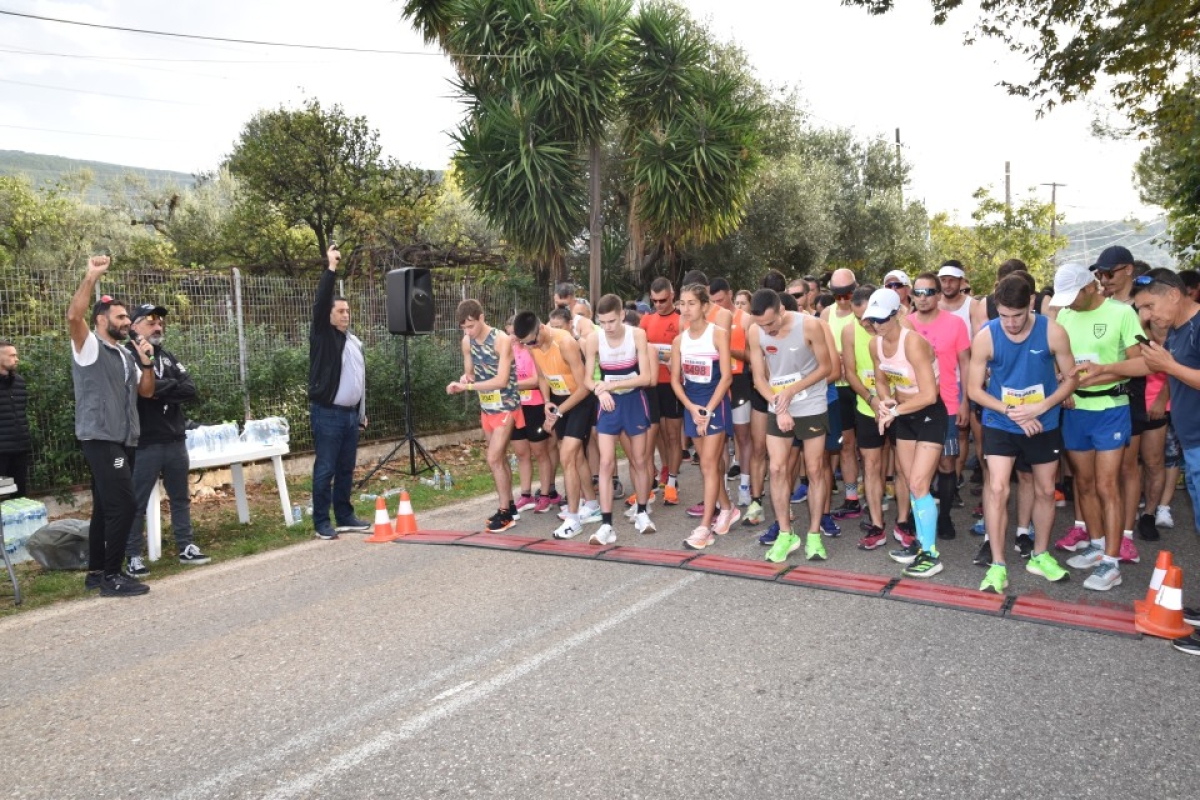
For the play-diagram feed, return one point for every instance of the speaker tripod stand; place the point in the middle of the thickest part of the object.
(415, 447)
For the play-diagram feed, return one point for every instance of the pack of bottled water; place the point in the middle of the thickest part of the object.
(22, 518)
(213, 439)
(266, 432)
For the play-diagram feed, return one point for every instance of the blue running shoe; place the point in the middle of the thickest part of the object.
(978, 529)
(768, 538)
(829, 527)
(801, 494)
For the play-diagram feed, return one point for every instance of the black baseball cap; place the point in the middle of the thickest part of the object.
(145, 310)
(1111, 258)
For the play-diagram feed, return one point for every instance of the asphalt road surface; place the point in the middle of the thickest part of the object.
(349, 670)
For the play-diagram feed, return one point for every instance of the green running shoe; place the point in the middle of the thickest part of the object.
(996, 579)
(753, 515)
(814, 548)
(925, 565)
(786, 544)
(1045, 565)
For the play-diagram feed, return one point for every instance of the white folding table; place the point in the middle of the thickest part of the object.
(234, 459)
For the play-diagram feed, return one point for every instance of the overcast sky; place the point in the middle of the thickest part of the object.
(179, 104)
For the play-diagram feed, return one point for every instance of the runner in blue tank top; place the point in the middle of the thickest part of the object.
(1014, 361)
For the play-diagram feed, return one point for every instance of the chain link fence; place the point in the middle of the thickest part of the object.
(244, 338)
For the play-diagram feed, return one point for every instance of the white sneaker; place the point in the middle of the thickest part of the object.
(589, 512)
(1104, 577)
(643, 523)
(603, 535)
(1163, 518)
(631, 513)
(137, 567)
(1088, 558)
(743, 496)
(568, 529)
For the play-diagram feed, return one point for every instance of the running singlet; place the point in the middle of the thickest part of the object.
(901, 374)
(789, 359)
(837, 324)
(661, 330)
(527, 369)
(949, 337)
(865, 367)
(1022, 373)
(1101, 336)
(484, 366)
(617, 364)
(553, 365)
(699, 365)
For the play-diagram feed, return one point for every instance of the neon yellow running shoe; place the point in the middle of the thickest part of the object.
(996, 579)
(786, 544)
(1045, 565)
(814, 548)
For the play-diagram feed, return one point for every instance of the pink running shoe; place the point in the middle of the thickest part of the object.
(725, 521)
(701, 538)
(543, 504)
(905, 538)
(1129, 552)
(526, 502)
(1076, 539)
(696, 510)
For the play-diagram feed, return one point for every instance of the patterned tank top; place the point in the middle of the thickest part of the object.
(485, 364)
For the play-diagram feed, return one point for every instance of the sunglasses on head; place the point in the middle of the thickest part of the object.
(925, 292)
(893, 285)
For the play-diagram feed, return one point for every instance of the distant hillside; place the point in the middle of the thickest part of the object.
(1087, 239)
(42, 169)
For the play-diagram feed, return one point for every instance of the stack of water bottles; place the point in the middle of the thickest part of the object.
(266, 432)
(22, 518)
(225, 438)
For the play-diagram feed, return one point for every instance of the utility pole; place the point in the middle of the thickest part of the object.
(899, 163)
(1007, 187)
(1054, 206)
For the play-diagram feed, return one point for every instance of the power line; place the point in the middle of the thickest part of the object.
(257, 42)
(87, 133)
(5, 48)
(101, 94)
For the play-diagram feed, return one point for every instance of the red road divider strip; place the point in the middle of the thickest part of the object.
(646, 555)
(554, 547)
(498, 541)
(1110, 619)
(433, 537)
(835, 581)
(936, 594)
(1074, 615)
(737, 567)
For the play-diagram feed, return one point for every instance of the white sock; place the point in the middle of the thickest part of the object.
(1080, 524)
(1127, 534)
(1098, 543)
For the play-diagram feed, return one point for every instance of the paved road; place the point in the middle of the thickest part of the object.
(347, 670)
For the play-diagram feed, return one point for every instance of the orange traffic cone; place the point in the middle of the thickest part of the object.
(1165, 617)
(406, 521)
(1160, 571)
(384, 532)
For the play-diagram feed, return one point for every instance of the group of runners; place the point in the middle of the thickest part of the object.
(882, 388)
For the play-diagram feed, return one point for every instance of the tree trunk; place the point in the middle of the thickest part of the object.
(596, 243)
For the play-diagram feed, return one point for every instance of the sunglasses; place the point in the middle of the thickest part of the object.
(532, 340)
(877, 321)
(154, 318)
(659, 301)
(798, 295)
(893, 285)
(925, 292)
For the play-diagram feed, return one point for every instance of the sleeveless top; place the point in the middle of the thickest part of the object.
(1022, 373)
(901, 374)
(485, 363)
(554, 366)
(661, 330)
(865, 367)
(963, 312)
(526, 369)
(618, 363)
(699, 364)
(789, 359)
(837, 324)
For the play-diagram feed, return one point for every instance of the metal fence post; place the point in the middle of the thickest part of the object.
(241, 334)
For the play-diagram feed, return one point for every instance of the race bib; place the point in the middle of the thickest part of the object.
(867, 376)
(897, 378)
(526, 396)
(1022, 397)
(490, 401)
(1082, 358)
(697, 370)
(615, 382)
(664, 353)
(784, 381)
(558, 384)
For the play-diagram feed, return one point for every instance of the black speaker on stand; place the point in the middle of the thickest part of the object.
(410, 312)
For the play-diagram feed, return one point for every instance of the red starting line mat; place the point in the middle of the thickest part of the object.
(1109, 618)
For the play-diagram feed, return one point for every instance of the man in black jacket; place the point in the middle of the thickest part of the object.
(162, 448)
(337, 394)
(15, 442)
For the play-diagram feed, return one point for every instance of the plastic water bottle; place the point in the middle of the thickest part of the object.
(437, 479)
(512, 461)
(427, 482)
(447, 481)
(297, 514)
(367, 496)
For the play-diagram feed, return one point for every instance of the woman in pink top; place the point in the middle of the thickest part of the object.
(1158, 480)
(530, 441)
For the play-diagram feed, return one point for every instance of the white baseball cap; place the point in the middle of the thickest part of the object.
(899, 275)
(883, 304)
(1069, 279)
